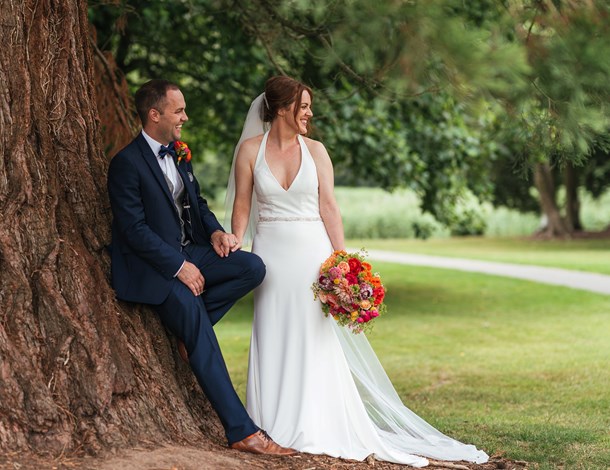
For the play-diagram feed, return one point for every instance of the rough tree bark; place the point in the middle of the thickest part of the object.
(78, 371)
(555, 225)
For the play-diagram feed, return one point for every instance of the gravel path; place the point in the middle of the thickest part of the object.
(593, 282)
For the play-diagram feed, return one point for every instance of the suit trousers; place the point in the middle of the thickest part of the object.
(191, 318)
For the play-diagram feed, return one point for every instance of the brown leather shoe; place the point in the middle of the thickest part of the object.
(182, 350)
(261, 443)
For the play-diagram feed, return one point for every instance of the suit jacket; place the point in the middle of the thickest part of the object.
(146, 248)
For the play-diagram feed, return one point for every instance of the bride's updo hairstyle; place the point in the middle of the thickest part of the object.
(280, 93)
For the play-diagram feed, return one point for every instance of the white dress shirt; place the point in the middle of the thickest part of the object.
(167, 165)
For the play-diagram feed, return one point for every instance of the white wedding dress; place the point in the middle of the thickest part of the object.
(313, 385)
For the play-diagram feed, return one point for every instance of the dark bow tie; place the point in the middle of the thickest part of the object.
(163, 151)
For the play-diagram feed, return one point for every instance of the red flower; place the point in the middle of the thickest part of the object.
(378, 294)
(355, 266)
(351, 278)
(182, 151)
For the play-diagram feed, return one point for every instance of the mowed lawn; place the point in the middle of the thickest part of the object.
(516, 368)
(583, 255)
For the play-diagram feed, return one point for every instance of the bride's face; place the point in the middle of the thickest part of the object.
(303, 115)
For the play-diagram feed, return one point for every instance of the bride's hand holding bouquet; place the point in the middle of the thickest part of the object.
(350, 291)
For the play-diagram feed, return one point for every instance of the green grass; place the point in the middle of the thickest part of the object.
(517, 368)
(584, 255)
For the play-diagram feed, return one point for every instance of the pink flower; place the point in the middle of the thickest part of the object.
(344, 267)
(335, 273)
(343, 293)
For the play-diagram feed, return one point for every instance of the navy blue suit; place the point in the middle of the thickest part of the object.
(147, 253)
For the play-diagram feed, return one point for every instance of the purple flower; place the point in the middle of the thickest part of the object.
(365, 291)
(325, 282)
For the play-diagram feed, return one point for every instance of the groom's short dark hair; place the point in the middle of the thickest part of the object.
(152, 95)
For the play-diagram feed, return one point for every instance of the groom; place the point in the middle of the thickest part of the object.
(169, 251)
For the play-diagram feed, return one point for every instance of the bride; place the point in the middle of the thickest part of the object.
(313, 385)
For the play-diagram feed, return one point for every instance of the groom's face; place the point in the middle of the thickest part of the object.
(170, 119)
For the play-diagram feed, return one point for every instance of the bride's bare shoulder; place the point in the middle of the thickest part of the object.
(252, 142)
(316, 148)
(248, 149)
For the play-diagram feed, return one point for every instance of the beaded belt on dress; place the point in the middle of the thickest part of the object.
(289, 219)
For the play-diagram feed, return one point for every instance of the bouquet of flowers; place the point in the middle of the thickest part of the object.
(349, 290)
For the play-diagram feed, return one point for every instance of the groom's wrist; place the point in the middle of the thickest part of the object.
(180, 269)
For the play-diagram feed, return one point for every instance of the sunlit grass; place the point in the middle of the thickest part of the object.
(515, 367)
(584, 255)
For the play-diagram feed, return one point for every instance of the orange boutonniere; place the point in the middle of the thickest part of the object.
(182, 151)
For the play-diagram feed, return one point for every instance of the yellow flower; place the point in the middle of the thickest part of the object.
(353, 315)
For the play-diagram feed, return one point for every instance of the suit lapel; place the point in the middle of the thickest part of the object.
(151, 159)
(188, 185)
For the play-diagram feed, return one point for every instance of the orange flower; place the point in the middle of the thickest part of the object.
(367, 277)
(182, 151)
(330, 262)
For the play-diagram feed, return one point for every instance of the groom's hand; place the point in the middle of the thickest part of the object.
(224, 243)
(192, 278)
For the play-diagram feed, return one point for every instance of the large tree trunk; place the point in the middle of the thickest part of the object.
(555, 225)
(572, 201)
(78, 371)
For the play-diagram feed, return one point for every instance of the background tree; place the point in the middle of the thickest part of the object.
(380, 131)
(566, 111)
(521, 63)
